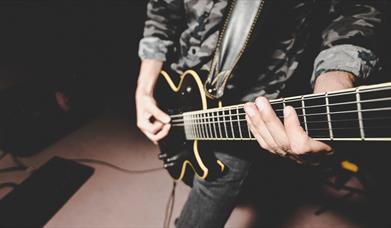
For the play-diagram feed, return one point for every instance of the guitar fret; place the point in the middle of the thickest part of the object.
(191, 126)
(238, 119)
(199, 120)
(225, 125)
(195, 126)
(210, 126)
(201, 126)
(304, 115)
(232, 126)
(218, 123)
(186, 126)
(214, 125)
(328, 116)
(360, 119)
(204, 125)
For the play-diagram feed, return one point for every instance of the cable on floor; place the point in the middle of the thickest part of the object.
(105, 163)
(20, 166)
(170, 207)
(8, 185)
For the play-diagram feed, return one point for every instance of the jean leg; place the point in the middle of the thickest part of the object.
(210, 203)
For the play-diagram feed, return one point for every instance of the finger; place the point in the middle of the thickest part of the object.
(161, 134)
(298, 138)
(273, 123)
(153, 128)
(159, 114)
(257, 136)
(317, 146)
(255, 119)
(151, 137)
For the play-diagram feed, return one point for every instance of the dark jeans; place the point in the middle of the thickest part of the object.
(210, 203)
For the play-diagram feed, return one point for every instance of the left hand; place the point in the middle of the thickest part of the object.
(289, 138)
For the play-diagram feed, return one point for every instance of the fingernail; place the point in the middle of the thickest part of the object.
(167, 119)
(287, 111)
(249, 110)
(260, 103)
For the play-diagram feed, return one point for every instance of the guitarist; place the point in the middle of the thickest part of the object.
(188, 31)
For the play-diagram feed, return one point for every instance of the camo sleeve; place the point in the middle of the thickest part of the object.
(161, 26)
(348, 43)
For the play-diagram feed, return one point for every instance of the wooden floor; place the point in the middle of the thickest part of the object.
(115, 199)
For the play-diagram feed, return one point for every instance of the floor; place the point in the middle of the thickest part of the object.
(115, 199)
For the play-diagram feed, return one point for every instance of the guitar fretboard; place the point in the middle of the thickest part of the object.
(362, 113)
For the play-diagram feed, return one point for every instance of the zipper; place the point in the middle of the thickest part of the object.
(219, 41)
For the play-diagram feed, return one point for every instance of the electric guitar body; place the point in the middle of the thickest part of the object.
(184, 158)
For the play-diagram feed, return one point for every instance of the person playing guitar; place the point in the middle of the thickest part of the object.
(187, 33)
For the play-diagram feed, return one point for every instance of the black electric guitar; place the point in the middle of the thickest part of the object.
(358, 114)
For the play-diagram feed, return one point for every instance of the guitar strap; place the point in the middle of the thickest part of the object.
(234, 36)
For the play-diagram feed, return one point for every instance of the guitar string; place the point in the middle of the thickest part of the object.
(300, 115)
(243, 120)
(236, 132)
(330, 105)
(308, 107)
(307, 98)
(301, 122)
(198, 131)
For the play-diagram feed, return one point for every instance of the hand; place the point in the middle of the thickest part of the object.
(289, 138)
(152, 121)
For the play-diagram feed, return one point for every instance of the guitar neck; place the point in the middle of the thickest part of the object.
(362, 113)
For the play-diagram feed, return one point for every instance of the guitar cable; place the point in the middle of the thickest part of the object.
(170, 206)
(8, 185)
(115, 167)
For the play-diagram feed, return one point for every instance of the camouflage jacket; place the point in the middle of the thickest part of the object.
(186, 33)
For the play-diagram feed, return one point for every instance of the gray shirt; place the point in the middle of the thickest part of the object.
(185, 32)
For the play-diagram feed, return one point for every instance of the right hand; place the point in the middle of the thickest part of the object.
(152, 121)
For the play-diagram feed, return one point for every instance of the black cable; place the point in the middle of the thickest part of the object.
(170, 207)
(8, 185)
(20, 166)
(105, 163)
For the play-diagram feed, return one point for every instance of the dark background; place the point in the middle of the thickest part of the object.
(55, 40)
(85, 49)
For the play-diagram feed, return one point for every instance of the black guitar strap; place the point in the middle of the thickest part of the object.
(235, 34)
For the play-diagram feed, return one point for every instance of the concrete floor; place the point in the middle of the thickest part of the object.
(115, 199)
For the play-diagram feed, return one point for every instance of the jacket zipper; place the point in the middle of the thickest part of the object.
(218, 45)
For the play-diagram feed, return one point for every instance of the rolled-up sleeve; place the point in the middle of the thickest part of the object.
(161, 28)
(349, 42)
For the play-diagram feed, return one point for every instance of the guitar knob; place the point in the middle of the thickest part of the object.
(168, 165)
(162, 156)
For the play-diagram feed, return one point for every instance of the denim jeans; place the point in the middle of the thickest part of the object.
(210, 203)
